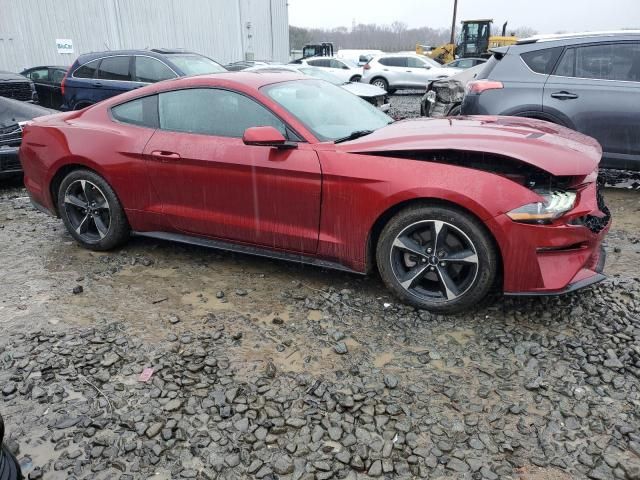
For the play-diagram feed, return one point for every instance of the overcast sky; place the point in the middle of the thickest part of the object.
(545, 16)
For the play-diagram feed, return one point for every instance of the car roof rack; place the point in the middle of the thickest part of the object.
(169, 50)
(564, 36)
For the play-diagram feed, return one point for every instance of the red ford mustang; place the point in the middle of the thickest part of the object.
(295, 168)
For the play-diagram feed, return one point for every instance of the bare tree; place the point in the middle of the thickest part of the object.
(394, 37)
(524, 32)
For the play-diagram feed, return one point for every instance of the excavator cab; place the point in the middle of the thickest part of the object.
(324, 49)
(474, 38)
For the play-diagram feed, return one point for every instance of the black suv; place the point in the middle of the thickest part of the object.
(589, 82)
(101, 75)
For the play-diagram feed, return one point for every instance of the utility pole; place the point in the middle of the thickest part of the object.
(453, 22)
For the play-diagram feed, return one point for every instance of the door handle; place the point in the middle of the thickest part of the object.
(164, 155)
(385, 69)
(97, 84)
(564, 95)
(409, 71)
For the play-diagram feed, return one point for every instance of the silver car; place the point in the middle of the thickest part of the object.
(394, 71)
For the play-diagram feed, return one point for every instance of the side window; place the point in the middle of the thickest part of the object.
(567, 63)
(542, 61)
(415, 63)
(612, 61)
(88, 70)
(41, 75)
(141, 111)
(150, 70)
(394, 61)
(317, 63)
(57, 76)
(114, 68)
(337, 64)
(211, 111)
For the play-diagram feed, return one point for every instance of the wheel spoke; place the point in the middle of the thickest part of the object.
(83, 226)
(464, 256)
(451, 291)
(75, 201)
(440, 231)
(407, 244)
(101, 204)
(413, 275)
(100, 226)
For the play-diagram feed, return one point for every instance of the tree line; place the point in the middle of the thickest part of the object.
(389, 38)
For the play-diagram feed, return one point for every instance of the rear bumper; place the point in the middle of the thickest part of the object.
(558, 258)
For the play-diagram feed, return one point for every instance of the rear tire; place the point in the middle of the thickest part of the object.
(355, 78)
(381, 82)
(438, 258)
(91, 211)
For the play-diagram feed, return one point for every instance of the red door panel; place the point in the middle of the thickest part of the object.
(220, 187)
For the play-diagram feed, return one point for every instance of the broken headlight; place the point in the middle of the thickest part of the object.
(554, 205)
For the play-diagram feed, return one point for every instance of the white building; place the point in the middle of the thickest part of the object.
(55, 32)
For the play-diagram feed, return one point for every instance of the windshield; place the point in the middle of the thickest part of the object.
(192, 64)
(322, 75)
(431, 62)
(328, 111)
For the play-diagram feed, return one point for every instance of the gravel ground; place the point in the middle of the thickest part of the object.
(264, 369)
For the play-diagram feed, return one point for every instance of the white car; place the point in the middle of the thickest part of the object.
(343, 68)
(370, 93)
(394, 71)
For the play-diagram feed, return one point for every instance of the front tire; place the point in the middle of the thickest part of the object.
(355, 78)
(438, 258)
(91, 211)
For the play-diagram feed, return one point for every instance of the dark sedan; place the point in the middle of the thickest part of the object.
(589, 82)
(47, 80)
(13, 115)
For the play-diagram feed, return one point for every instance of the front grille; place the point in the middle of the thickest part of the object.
(10, 163)
(11, 136)
(593, 223)
(17, 90)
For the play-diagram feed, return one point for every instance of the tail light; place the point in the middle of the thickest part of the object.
(479, 86)
(64, 79)
(366, 66)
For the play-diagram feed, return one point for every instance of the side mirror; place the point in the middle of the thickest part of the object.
(266, 137)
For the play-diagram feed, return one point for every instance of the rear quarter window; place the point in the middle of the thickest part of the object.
(542, 61)
(142, 112)
(88, 70)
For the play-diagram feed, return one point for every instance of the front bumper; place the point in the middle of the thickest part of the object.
(9, 161)
(558, 258)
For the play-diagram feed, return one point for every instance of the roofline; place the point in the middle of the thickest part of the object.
(563, 36)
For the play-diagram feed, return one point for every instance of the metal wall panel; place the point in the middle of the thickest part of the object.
(226, 30)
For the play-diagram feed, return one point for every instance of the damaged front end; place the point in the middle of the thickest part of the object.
(558, 240)
(442, 97)
(550, 244)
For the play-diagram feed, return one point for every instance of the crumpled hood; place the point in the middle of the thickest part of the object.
(555, 149)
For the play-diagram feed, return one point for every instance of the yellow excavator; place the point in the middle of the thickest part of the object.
(475, 40)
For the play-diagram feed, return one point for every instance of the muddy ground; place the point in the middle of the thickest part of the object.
(265, 369)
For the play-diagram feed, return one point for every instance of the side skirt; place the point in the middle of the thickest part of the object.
(246, 249)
